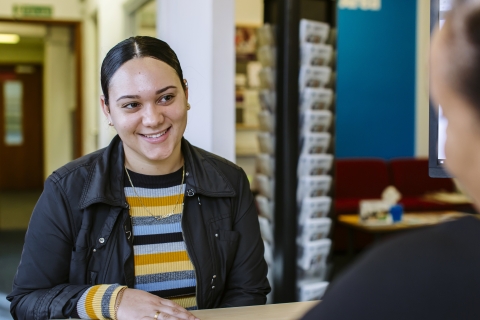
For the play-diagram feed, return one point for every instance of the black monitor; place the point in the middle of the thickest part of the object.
(438, 123)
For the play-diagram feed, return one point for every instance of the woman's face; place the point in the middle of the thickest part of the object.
(462, 147)
(148, 108)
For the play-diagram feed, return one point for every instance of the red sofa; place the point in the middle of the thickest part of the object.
(357, 179)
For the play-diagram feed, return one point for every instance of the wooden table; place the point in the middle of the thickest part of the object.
(284, 311)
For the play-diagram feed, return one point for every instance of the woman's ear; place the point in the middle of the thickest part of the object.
(186, 88)
(105, 108)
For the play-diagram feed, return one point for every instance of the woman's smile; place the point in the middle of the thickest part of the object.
(156, 137)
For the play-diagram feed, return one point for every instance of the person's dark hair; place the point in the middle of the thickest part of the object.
(463, 36)
(137, 47)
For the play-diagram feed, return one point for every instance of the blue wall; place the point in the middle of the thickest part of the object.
(376, 81)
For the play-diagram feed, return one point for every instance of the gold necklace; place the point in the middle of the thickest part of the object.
(145, 207)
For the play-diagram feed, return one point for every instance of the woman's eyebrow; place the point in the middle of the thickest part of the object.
(138, 97)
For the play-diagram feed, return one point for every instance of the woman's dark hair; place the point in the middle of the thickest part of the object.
(463, 37)
(137, 47)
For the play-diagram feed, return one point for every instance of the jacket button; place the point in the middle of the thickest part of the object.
(101, 240)
(213, 287)
(214, 276)
(190, 192)
(187, 173)
(94, 250)
(216, 235)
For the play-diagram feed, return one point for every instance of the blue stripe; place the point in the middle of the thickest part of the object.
(166, 285)
(157, 229)
(154, 193)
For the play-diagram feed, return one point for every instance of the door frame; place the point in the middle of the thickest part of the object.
(78, 49)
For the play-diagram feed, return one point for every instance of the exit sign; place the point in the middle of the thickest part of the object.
(30, 11)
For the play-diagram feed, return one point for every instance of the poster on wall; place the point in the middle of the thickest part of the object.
(245, 42)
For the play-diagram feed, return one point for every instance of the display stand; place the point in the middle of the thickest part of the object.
(315, 164)
(288, 256)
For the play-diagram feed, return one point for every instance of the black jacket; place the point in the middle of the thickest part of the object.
(80, 235)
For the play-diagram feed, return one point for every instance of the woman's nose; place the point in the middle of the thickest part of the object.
(153, 116)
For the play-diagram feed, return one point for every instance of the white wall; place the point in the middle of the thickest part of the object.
(59, 98)
(62, 9)
(91, 82)
(422, 83)
(202, 34)
(111, 30)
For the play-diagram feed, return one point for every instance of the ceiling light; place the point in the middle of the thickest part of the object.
(9, 38)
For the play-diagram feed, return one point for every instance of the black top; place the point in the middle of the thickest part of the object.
(154, 181)
(429, 273)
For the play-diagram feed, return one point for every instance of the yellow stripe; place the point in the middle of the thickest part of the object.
(163, 257)
(157, 211)
(89, 302)
(186, 302)
(97, 301)
(155, 201)
(163, 267)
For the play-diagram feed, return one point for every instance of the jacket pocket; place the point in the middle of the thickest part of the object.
(93, 278)
(80, 254)
(228, 236)
(227, 244)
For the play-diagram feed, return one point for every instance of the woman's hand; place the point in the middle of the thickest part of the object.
(138, 304)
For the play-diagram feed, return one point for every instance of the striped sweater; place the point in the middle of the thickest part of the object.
(162, 264)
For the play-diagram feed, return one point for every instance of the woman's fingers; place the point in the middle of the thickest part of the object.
(172, 304)
(177, 309)
(174, 313)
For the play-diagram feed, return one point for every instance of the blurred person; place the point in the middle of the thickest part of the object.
(148, 227)
(432, 273)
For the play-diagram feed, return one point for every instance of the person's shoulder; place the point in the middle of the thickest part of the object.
(78, 167)
(419, 270)
(428, 245)
(447, 235)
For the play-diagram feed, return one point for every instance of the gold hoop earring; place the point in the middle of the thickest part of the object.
(188, 106)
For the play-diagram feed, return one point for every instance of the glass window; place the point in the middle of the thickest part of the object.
(13, 93)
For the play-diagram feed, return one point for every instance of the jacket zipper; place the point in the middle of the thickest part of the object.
(189, 256)
(127, 206)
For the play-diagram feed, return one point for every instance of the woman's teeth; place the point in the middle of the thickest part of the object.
(156, 135)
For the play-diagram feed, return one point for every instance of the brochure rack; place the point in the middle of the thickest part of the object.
(299, 135)
(314, 165)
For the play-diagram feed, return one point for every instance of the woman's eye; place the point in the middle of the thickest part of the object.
(166, 98)
(132, 105)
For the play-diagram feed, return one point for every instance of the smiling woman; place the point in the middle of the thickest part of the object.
(149, 227)
(151, 118)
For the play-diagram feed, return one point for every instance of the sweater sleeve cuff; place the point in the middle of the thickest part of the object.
(98, 302)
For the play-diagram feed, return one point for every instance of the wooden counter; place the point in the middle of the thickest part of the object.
(284, 311)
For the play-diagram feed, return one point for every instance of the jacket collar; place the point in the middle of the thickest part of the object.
(206, 177)
(105, 183)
